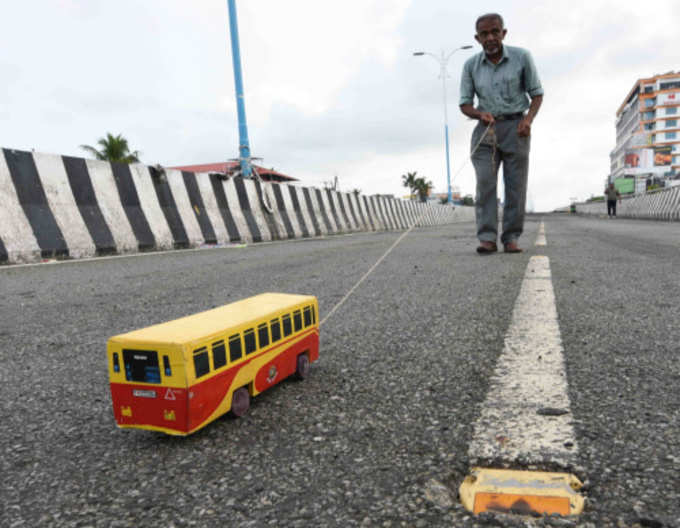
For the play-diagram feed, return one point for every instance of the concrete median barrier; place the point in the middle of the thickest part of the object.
(657, 205)
(65, 207)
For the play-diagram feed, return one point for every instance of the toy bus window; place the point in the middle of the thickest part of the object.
(308, 315)
(219, 355)
(141, 365)
(201, 362)
(287, 327)
(313, 315)
(297, 319)
(116, 365)
(263, 335)
(166, 366)
(235, 347)
(276, 330)
(249, 340)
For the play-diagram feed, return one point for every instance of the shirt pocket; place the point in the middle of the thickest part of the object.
(510, 87)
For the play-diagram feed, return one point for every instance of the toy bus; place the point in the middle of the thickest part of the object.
(176, 377)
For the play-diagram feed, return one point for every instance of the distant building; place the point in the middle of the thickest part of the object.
(647, 148)
(230, 167)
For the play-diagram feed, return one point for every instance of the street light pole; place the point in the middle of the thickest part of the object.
(443, 60)
(244, 144)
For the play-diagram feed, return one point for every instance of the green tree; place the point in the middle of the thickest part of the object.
(409, 180)
(468, 200)
(422, 187)
(113, 148)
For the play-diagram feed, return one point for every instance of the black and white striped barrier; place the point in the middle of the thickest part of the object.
(65, 207)
(656, 205)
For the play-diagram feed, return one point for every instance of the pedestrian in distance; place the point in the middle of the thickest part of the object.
(612, 194)
(509, 94)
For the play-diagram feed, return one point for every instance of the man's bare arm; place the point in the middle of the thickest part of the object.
(473, 113)
(524, 127)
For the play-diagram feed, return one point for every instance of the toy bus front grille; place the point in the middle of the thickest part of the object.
(141, 366)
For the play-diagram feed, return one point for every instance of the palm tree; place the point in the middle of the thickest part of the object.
(409, 180)
(422, 187)
(113, 148)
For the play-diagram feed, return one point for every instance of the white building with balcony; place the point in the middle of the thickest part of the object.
(647, 150)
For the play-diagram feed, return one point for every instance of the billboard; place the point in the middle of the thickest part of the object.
(625, 185)
(668, 99)
(640, 159)
(632, 160)
(663, 156)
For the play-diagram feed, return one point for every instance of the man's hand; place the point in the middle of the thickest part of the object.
(473, 113)
(486, 118)
(524, 127)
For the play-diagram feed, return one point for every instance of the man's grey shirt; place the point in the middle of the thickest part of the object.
(500, 88)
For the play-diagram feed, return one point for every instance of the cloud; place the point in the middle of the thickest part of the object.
(331, 87)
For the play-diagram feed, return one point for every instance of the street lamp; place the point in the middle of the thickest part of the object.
(443, 59)
(244, 144)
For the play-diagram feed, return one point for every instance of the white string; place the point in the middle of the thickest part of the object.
(341, 302)
(370, 271)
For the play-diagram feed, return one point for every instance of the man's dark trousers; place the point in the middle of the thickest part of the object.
(513, 151)
(611, 207)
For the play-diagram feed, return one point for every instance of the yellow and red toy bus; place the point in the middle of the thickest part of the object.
(179, 376)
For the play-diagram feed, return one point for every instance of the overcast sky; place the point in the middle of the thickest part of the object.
(331, 86)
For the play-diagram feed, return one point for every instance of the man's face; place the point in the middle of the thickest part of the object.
(490, 34)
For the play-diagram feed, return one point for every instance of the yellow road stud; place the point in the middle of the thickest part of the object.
(521, 492)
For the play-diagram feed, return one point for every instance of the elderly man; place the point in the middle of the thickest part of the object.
(504, 79)
(612, 194)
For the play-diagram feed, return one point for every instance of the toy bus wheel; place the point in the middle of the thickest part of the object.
(302, 369)
(240, 402)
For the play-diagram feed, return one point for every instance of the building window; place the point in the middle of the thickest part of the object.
(649, 89)
(670, 135)
(649, 102)
(669, 85)
(650, 126)
(671, 123)
(672, 110)
(649, 115)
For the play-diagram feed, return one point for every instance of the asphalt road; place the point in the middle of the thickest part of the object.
(381, 428)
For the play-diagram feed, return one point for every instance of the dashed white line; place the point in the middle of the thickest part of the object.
(526, 417)
(540, 239)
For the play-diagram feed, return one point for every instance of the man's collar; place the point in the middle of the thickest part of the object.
(504, 55)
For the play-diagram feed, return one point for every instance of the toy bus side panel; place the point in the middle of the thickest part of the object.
(211, 398)
(209, 395)
(285, 363)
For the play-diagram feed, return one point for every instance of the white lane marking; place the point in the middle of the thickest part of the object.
(540, 239)
(529, 379)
